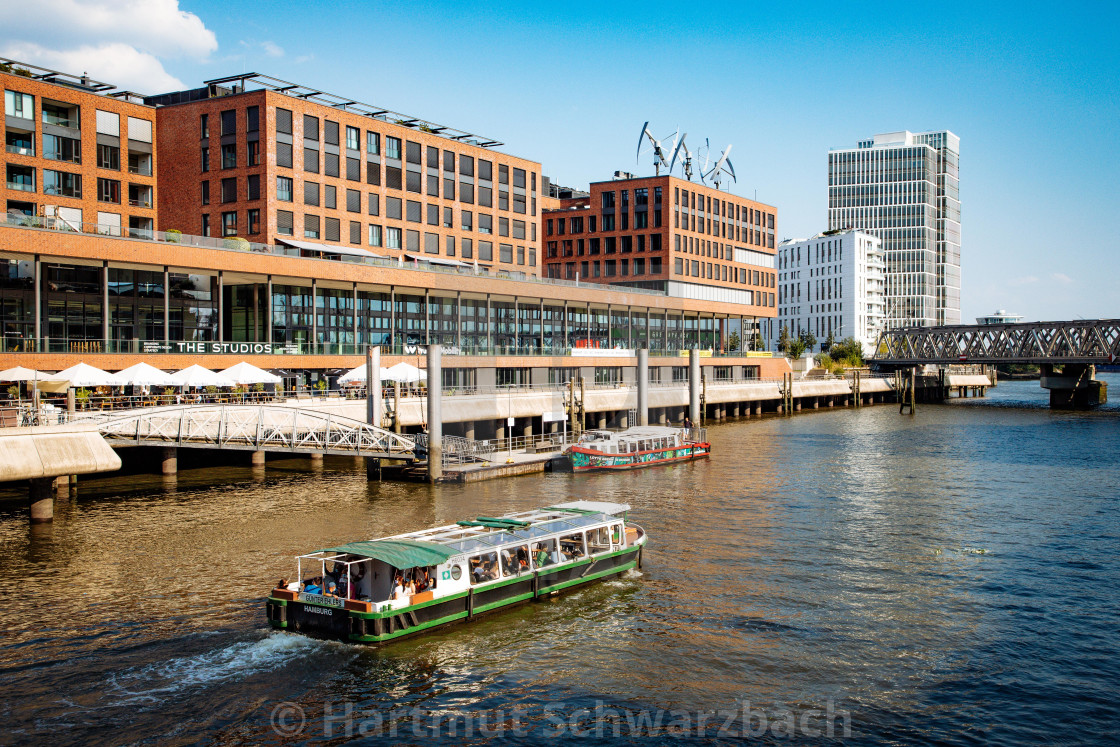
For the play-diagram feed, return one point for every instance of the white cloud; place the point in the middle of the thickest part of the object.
(304, 58)
(272, 49)
(1061, 277)
(116, 41)
(1025, 280)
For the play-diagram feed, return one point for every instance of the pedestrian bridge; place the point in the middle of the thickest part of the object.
(275, 428)
(1085, 341)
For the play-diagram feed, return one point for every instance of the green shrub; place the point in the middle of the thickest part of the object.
(173, 235)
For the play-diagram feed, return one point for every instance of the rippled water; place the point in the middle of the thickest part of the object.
(950, 577)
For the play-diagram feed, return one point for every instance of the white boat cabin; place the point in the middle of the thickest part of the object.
(634, 440)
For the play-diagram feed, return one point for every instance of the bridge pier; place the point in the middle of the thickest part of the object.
(169, 460)
(257, 459)
(373, 469)
(1075, 387)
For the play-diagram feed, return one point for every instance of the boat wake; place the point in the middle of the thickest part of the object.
(154, 682)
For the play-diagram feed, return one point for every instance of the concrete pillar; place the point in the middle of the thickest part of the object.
(694, 386)
(373, 469)
(373, 386)
(816, 403)
(257, 459)
(643, 387)
(527, 429)
(602, 420)
(468, 430)
(500, 430)
(661, 418)
(396, 407)
(758, 409)
(734, 409)
(41, 497)
(169, 460)
(316, 457)
(435, 414)
(797, 406)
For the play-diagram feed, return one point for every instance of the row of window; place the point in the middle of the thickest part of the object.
(608, 245)
(66, 184)
(609, 268)
(228, 154)
(229, 225)
(66, 114)
(229, 189)
(575, 224)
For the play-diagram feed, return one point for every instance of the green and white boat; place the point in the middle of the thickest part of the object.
(383, 589)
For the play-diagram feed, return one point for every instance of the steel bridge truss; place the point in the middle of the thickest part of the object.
(1084, 341)
(274, 428)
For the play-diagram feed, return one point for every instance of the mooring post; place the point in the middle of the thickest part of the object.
(694, 386)
(435, 417)
(643, 386)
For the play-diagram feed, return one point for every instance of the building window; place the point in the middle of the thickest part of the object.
(311, 226)
(374, 235)
(412, 213)
(229, 190)
(393, 147)
(393, 238)
(254, 187)
(373, 206)
(253, 119)
(353, 138)
(108, 156)
(355, 232)
(229, 122)
(330, 193)
(284, 155)
(311, 160)
(254, 153)
(467, 219)
(332, 229)
(229, 156)
(284, 188)
(206, 193)
(505, 253)
(353, 201)
(393, 207)
(204, 125)
(285, 222)
(62, 184)
(19, 105)
(373, 143)
(205, 160)
(608, 203)
(229, 223)
(254, 221)
(205, 225)
(310, 193)
(485, 223)
(109, 190)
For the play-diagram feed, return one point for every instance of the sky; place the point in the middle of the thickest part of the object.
(1031, 89)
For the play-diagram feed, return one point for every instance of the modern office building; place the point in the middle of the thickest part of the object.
(832, 284)
(270, 161)
(76, 151)
(667, 234)
(904, 188)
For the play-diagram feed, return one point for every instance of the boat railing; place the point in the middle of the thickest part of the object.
(696, 435)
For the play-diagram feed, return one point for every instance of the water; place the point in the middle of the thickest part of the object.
(948, 578)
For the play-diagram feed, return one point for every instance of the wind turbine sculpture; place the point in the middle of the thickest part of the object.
(686, 159)
(723, 166)
(658, 149)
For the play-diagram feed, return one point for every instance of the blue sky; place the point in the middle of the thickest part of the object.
(1032, 91)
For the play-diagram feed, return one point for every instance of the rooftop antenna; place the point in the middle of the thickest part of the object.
(658, 149)
(686, 160)
(723, 166)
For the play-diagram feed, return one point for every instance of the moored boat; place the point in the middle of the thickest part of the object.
(642, 446)
(379, 590)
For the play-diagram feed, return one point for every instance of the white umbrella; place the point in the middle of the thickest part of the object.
(196, 376)
(406, 373)
(19, 373)
(358, 375)
(83, 374)
(143, 374)
(247, 373)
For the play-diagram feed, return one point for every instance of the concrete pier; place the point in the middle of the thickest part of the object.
(643, 386)
(435, 414)
(1075, 387)
(257, 459)
(169, 460)
(41, 498)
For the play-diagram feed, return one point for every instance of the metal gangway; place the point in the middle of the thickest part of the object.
(458, 450)
(275, 428)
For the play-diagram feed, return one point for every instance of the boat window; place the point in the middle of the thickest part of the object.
(484, 568)
(544, 553)
(571, 546)
(616, 534)
(515, 560)
(598, 541)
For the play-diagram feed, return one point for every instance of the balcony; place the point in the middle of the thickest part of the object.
(22, 186)
(20, 150)
(136, 202)
(60, 120)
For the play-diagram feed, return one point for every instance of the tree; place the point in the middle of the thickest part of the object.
(828, 343)
(733, 341)
(808, 339)
(783, 340)
(796, 348)
(758, 344)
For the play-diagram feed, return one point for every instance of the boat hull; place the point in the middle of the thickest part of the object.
(379, 627)
(586, 460)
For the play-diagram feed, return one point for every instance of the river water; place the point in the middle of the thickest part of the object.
(946, 578)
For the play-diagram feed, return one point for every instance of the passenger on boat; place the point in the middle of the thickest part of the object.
(425, 581)
(332, 589)
(508, 564)
(398, 587)
(314, 586)
(541, 557)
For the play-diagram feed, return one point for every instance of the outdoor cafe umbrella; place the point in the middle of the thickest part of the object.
(196, 376)
(406, 373)
(143, 374)
(83, 375)
(358, 375)
(247, 373)
(19, 373)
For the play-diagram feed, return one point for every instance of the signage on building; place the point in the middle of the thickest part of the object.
(148, 347)
(235, 348)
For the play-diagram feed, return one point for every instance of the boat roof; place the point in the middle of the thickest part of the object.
(434, 546)
(639, 431)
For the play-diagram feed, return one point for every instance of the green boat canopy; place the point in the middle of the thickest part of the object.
(399, 553)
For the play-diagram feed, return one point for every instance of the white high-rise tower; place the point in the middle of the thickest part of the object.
(903, 187)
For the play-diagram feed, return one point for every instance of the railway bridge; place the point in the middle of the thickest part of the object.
(1066, 352)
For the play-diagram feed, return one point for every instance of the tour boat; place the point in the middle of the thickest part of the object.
(383, 589)
(643, 446)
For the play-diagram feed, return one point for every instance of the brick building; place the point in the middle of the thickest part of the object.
(77, 151)
(669, 234)
(275, 162)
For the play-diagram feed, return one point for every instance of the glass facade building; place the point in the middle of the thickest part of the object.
(904, 188)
